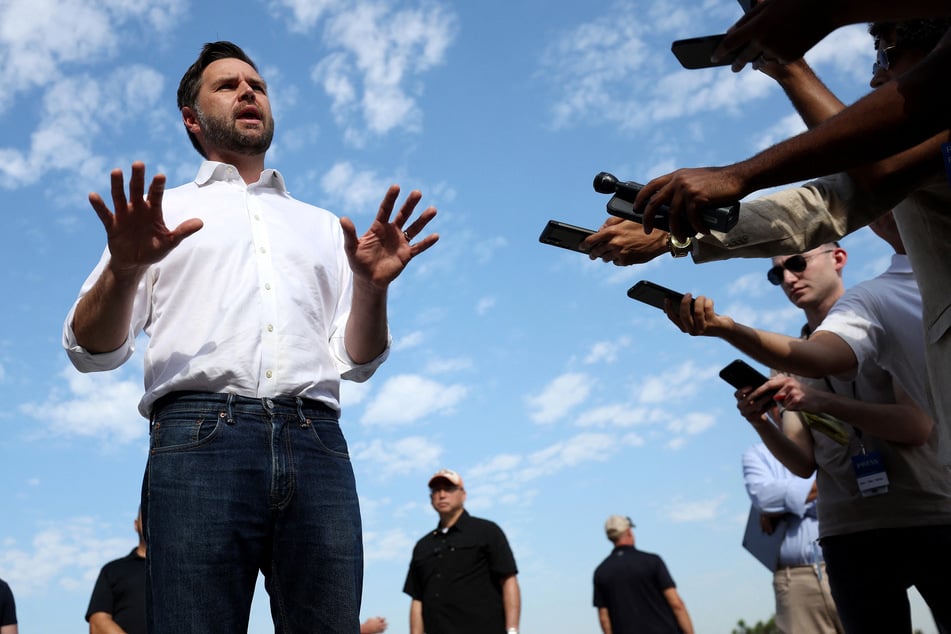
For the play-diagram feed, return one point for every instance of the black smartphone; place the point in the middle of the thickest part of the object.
(654, 294)
(563, 235)
(695, 52)
(740, 374)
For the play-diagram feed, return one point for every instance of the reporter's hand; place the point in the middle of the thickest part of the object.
(696, 317)
(624, 243)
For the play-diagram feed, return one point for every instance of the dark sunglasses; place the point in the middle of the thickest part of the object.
(796, 264)
(884, 58)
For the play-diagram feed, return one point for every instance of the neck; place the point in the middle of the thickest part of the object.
(448, 519)
(248, 166)
(815, 314)
(140, 549)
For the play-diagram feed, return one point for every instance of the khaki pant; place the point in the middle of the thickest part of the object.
(804, 603)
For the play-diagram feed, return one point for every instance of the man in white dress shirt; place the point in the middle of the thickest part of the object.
(256, 305)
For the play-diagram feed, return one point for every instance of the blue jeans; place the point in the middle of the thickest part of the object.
(870, 573)
(236, 485)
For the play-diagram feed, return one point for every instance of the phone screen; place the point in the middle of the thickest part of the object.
(695, 52)
(560, 234)
(654, 294)
(740, 374)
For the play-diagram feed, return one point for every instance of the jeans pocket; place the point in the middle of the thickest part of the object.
(183, 431)
(327, 434)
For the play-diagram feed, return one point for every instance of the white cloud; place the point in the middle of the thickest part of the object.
(386, 49)
(402, 457)
(484, 305)
(618, 415)
(606, 351)
(40, 39)
(101, 405)
(68, 554)
(485, 250)
(691, 424)
(559, 396)
(391, 545)
(74, 112)
(353, 393)
(358, 192)
(445, 366)
(681, 511)
(408, 397)
(677, 382)
(409, 340)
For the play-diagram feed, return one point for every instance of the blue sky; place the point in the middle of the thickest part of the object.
(522, 366)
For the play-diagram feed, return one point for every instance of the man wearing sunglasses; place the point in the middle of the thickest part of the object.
(866, 349)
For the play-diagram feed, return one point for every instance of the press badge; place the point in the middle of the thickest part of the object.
(870, 473)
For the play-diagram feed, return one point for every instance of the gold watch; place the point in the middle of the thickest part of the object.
(677, 248)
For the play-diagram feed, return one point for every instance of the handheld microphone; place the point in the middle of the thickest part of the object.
(622, 205)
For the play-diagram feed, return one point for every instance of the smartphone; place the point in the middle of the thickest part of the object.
(695, 52)
(654, 294)
(740, 374)
(560, 234)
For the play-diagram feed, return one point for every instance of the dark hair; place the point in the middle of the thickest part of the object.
(190, 84)
(923, 35)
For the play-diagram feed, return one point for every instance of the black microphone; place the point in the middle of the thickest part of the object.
(622, 205)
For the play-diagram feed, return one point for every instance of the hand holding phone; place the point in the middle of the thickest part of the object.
(740, 374)
(560, 234)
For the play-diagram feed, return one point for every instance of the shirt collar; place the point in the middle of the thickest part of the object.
(211, 171)
(459, 525)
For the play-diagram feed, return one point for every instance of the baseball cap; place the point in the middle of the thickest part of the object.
(448, 475)
(616, 525)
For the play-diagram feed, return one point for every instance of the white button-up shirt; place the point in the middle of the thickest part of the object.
(255, 303)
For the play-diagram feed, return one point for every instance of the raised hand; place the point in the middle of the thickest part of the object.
(136, 232)
(380, 255)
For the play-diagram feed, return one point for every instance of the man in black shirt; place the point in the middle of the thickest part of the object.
(118, 600)
(8, 610)
(462, 577)
(633, 590)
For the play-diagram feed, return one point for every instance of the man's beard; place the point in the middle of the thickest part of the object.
(224, 134)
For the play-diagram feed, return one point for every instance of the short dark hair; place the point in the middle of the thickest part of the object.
(923, 35)
(190, 84)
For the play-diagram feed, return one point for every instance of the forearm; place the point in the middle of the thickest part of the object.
(791, 445)
(102, 623)
(103, 316)
(890, 177)
(416, 617)
(367, 332)
(900, 423)
(809, 96)
(605, 620)
(511, 602)
(820, 356)
(683, 619)
(890, 119)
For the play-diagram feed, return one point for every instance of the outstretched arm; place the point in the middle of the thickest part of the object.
(376, 259)
(823, 354)
(137, 237)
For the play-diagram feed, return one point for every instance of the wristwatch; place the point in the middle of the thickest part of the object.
(677, 248)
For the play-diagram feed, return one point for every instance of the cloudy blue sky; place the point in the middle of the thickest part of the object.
(522, 366)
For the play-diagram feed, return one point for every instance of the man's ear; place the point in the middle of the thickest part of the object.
(190, 119)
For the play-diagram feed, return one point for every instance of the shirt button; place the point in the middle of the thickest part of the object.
(267, 286)
(269, 374)
(270, 327)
